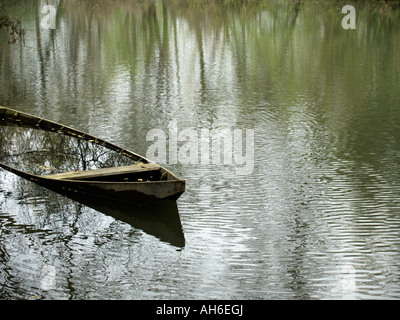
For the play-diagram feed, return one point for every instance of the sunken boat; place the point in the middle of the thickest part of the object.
(69, 161)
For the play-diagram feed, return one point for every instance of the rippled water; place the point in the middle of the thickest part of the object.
(319, 216)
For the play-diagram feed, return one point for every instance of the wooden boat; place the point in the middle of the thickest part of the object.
(130, 178)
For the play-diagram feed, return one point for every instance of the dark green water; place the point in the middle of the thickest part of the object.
(317, 218)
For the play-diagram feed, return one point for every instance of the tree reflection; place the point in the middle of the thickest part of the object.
(43, 152)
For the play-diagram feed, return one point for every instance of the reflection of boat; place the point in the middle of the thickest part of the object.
(36, 149)
(159, 218)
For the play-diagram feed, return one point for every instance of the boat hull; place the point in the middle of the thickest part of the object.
(127, 192)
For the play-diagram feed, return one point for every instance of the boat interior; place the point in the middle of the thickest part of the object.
(132, 173)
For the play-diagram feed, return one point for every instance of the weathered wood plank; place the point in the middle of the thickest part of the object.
(105, 172)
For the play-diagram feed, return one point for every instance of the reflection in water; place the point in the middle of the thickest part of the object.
(319, 216)
(43, 152)
(160, 219)
(40, 230)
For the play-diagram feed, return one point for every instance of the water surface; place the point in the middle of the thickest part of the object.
(319, 216)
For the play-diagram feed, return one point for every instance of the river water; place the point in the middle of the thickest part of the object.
(316, 213)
